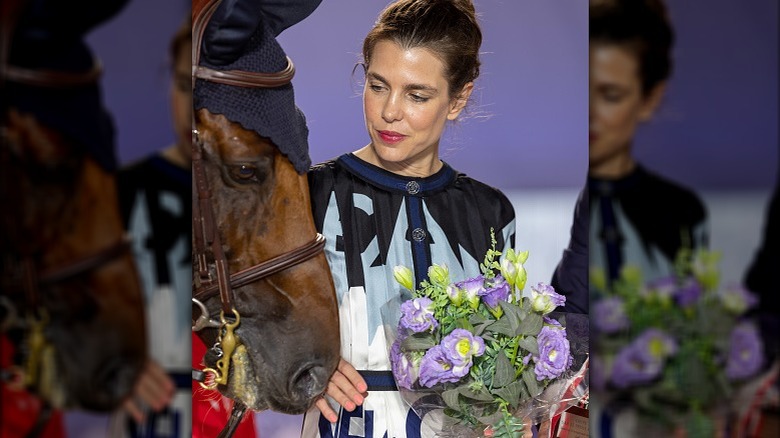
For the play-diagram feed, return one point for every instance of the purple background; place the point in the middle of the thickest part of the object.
(527, 124)
(133, 47)
(716, 129)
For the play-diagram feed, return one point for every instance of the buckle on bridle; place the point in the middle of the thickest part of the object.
(204, 320)
(227, 343)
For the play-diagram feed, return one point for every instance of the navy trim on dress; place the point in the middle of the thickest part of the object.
(379, 380)
(398, 183)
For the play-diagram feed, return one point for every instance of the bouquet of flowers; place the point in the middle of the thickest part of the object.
(485, 351)
(675, 348)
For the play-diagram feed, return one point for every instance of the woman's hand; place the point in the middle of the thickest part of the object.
(346, 387)
(154, 388)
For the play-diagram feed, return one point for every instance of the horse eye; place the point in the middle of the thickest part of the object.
(244, 173)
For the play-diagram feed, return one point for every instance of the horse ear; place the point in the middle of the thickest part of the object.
(235, 21)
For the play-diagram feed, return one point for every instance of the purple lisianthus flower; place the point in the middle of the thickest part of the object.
(497, 290)
(471, 289)
(455, 294)
(688, 293)
(544, 299)
(656, 343)
(609, 315)
(551, 322)
(746, 352)
(737, 299)
(417, 315)
(405, 367)
(554, 353)
(472, 286)
(643, 359)
(632, 367)
(460, 346)
(435, 368)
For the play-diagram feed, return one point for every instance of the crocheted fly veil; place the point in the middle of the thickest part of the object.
(240, 36)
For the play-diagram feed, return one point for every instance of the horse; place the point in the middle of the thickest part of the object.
(72, 303)
(257, 260)
(69, 276)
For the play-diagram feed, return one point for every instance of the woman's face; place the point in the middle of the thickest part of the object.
(406, 103)
(617, 106)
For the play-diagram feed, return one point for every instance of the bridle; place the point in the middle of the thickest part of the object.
(222, 283)
(23, 274)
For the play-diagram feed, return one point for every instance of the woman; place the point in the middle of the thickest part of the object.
(636, 216)
(394, 202)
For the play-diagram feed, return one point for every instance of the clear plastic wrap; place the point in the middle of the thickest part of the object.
(458, 411)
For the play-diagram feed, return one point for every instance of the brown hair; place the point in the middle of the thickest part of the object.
(448, 28)
(642, 26)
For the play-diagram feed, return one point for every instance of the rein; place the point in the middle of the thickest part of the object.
(205, 232)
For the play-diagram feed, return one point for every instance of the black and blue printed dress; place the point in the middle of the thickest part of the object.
(374, 220)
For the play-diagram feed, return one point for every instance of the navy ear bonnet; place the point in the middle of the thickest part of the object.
(241, 35)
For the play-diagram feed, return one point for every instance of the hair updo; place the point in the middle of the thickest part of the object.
(447, 28)
(643, 27)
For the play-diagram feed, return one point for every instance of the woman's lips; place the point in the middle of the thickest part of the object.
(391, 137)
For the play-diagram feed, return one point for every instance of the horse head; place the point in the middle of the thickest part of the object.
(288, 321)
(277, 341)
(73, 299)
(72, 305)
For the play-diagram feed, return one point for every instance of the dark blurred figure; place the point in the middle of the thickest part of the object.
(761, 275)
(761, 279)
(570, 277)
(641, 219)
(61, 229)
(636, 215)
(155, 199)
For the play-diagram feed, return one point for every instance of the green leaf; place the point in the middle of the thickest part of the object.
(511, 393)
(418, 342)
(464, 324)
(479, 329)
(513, 312)
(450, 397)
(505, 372)
(482, 395)
(529, 344)
(476, 319)
(503, 326)
(533, 386)
(531, 325)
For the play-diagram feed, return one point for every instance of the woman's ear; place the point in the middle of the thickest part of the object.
(651, 101)
(459, 102)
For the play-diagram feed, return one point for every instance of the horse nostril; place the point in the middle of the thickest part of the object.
(310, 381)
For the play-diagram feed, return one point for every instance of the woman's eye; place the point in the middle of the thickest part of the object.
(613, 97)
(418, 98)
(375, 87)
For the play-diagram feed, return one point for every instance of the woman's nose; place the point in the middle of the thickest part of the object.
(391, 111)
